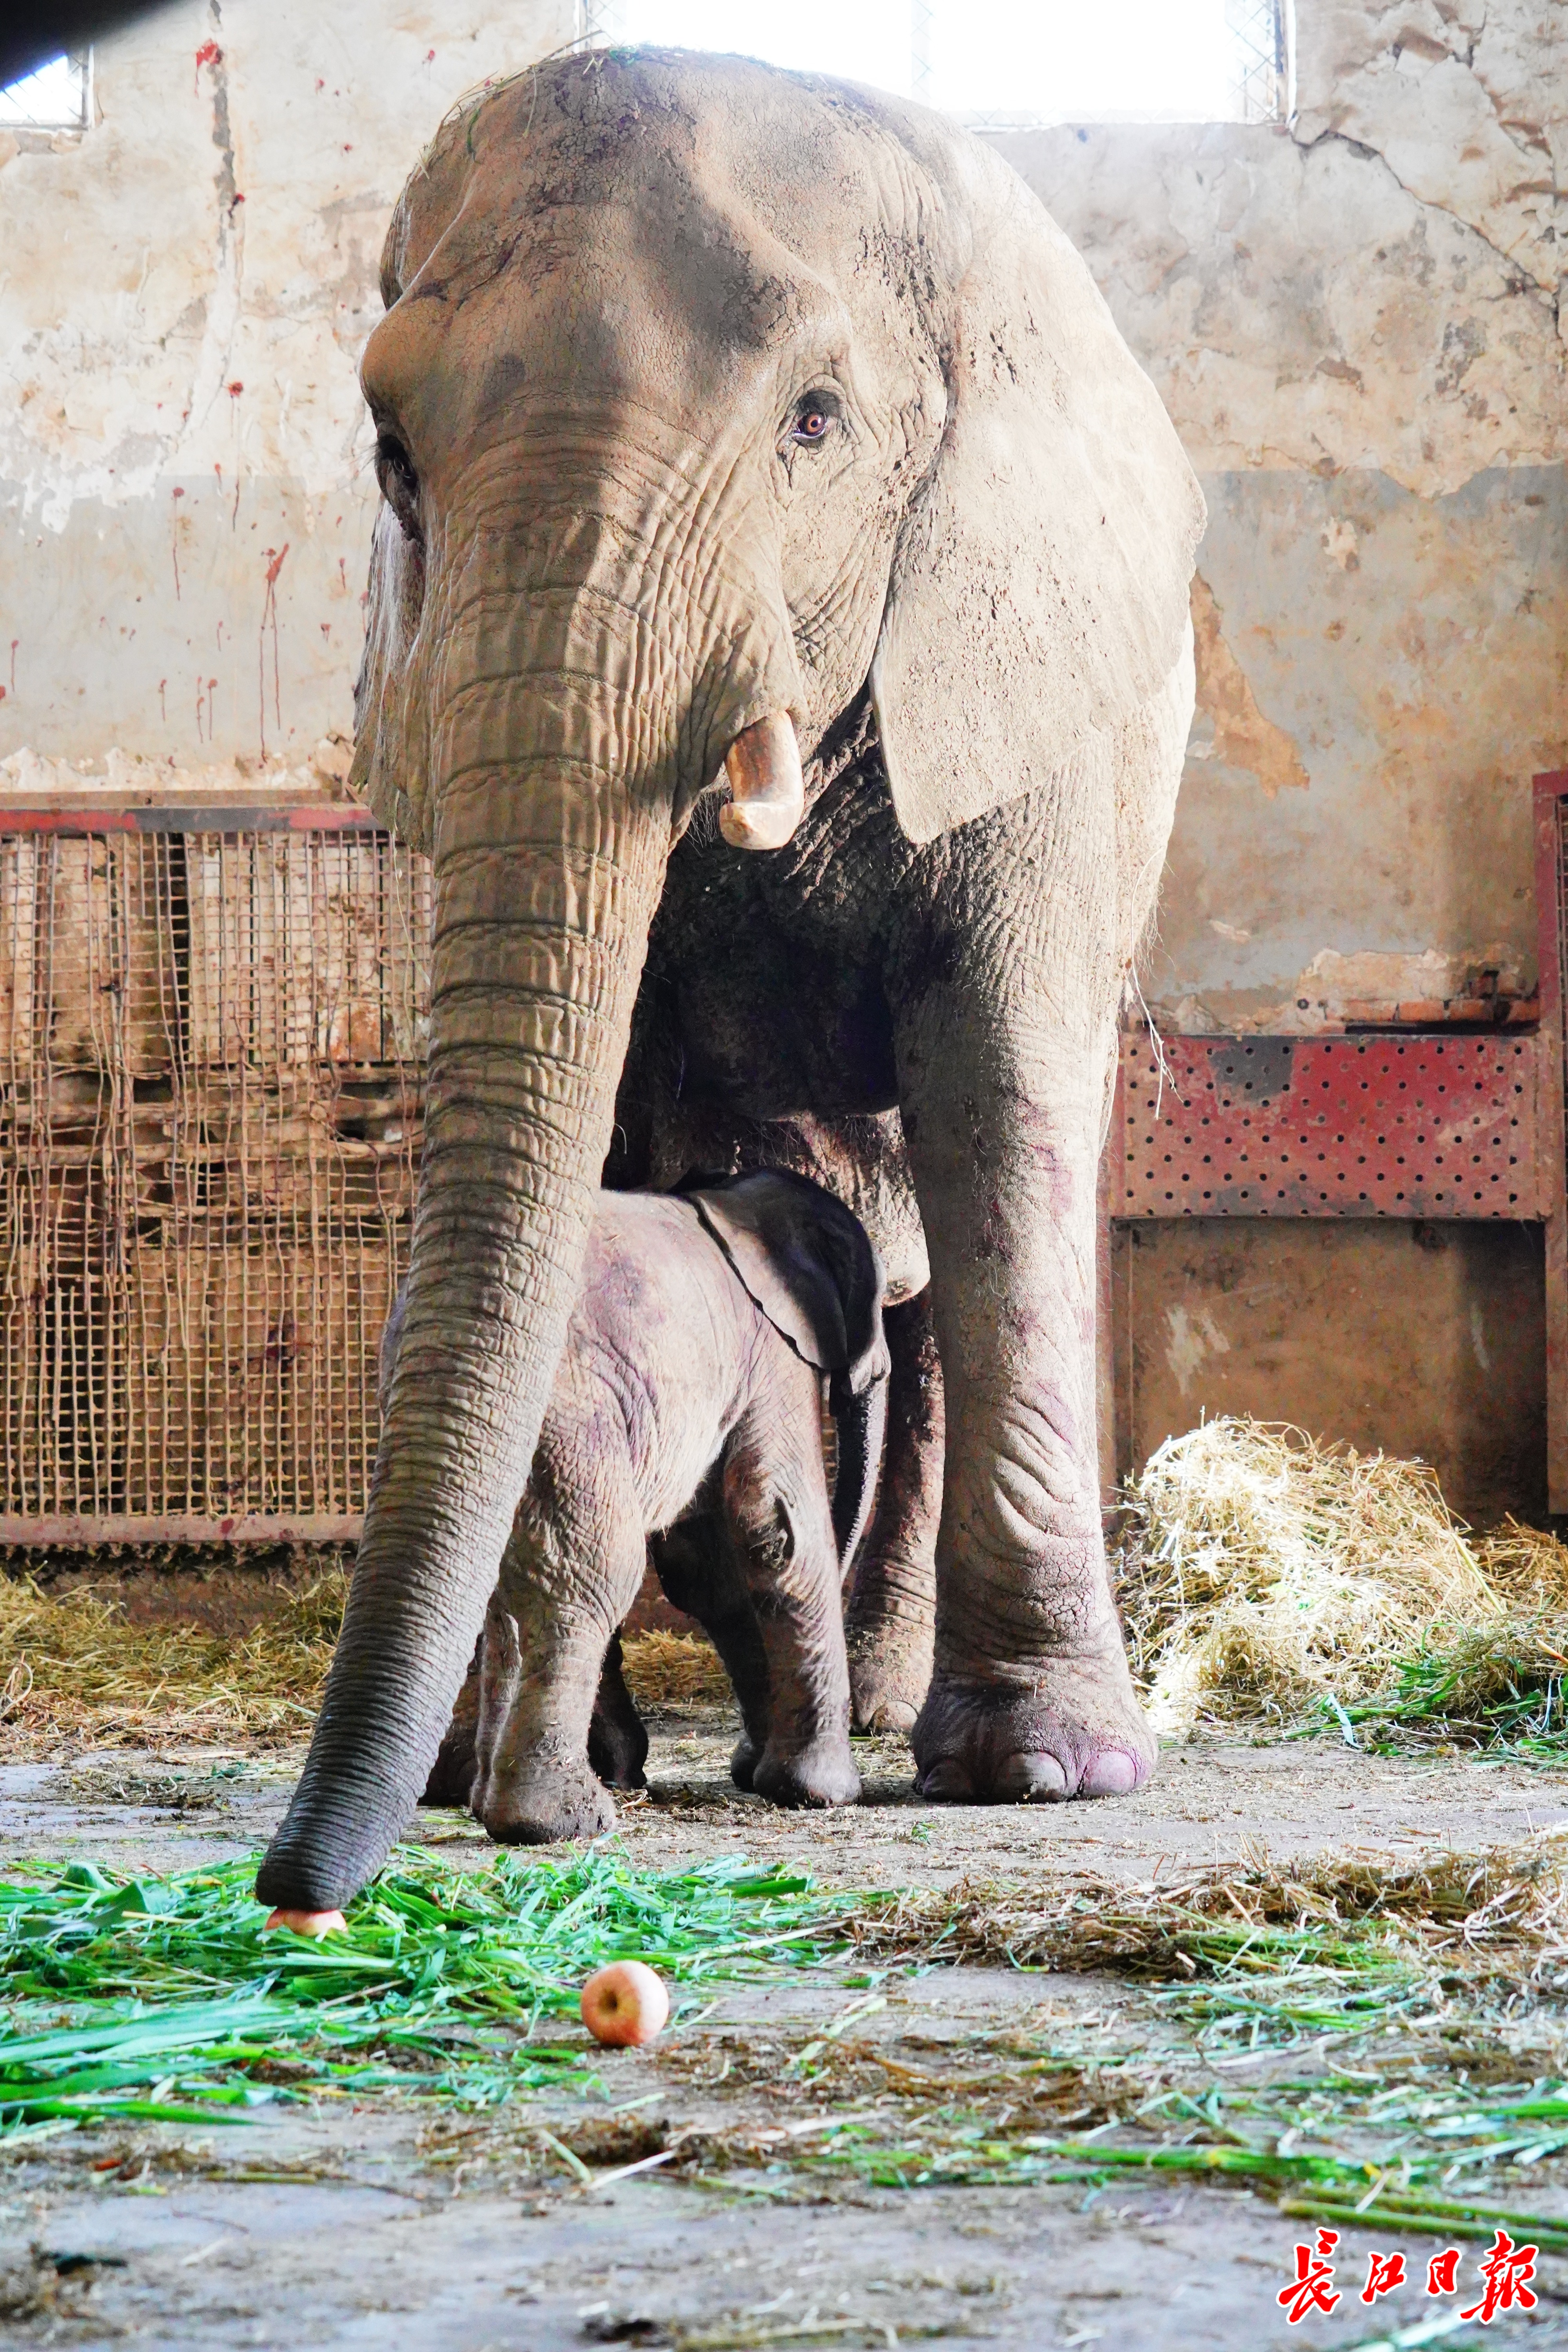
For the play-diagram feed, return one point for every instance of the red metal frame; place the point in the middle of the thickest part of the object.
(1445, 1123)
(88, 816)
(68, 1532)
(1551, 793)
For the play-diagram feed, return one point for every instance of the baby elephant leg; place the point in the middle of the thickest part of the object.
(570, 1574)
(780, 1523)
(618, 1741)
(891, 1618)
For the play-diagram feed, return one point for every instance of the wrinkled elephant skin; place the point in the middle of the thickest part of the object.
(711, 399)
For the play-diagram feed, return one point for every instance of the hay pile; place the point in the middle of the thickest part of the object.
(674, 1670)
(75, 1668)
(1266, 1578)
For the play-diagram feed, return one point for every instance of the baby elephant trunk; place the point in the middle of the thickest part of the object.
(859, 1422)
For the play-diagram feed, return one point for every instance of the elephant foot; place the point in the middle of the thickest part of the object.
(617, 1754)
(743, 1763)
(821, 1773)
(890, 1674)
(1078, 1732)
(540, 1806)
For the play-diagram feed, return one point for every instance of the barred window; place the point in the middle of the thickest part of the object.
(1011, 63)
(56, 98)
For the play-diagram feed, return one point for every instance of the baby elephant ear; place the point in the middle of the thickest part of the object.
(1039, 587)
(807, 1264)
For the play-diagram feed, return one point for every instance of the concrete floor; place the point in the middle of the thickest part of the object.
(382, 2226)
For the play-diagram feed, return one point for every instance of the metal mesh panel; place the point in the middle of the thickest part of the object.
(211, 1048)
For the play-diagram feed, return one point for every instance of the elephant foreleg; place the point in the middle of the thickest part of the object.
(1005, 1065)
(618, 1738)
(893, 1604)
(570, 1575)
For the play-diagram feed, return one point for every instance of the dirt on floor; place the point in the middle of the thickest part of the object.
(364, 2225)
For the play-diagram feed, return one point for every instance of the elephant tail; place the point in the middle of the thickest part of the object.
(860, 1423)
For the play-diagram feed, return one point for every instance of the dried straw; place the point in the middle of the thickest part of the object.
(674, 1670)
(1501, 1912)
(1265, 1578)
(75, 1668)
(1264, 1575)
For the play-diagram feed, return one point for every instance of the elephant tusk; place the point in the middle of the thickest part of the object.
(763, 764)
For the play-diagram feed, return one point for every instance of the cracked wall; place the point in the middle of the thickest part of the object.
(1355, 323)
(184, 491)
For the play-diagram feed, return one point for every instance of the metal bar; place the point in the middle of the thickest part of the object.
(1551, 1153)
(80, 1532)
(86, 816)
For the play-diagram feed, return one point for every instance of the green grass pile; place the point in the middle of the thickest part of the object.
(159, 2002)
(162, 1999)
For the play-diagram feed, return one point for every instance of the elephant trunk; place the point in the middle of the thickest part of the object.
(546, 878)
(860, 1423)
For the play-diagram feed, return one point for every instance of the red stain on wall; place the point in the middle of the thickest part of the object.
(270, 620)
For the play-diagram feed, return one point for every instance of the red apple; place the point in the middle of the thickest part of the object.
(624, 2005)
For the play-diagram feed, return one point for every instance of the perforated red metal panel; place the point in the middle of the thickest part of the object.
(1551, 911)
(1329, 1127)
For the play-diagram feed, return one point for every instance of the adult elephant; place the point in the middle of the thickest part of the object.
(720, 410)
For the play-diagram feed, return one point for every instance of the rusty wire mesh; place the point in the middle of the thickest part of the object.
(211, 1049)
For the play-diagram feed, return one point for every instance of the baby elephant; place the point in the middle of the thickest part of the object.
(686, 1410)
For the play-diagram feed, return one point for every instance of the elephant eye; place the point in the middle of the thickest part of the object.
(812, 421)
(399, 482)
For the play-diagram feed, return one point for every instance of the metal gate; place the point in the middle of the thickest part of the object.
(212, 1033)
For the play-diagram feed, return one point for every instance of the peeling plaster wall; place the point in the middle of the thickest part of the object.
(1355, 324)
(185, 494)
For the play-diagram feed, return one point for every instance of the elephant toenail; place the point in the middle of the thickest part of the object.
(948, 1782)
(1035, 1778)
(1111, 1773)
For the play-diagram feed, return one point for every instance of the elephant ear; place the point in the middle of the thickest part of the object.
(1039, 587)
(808, 1265)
